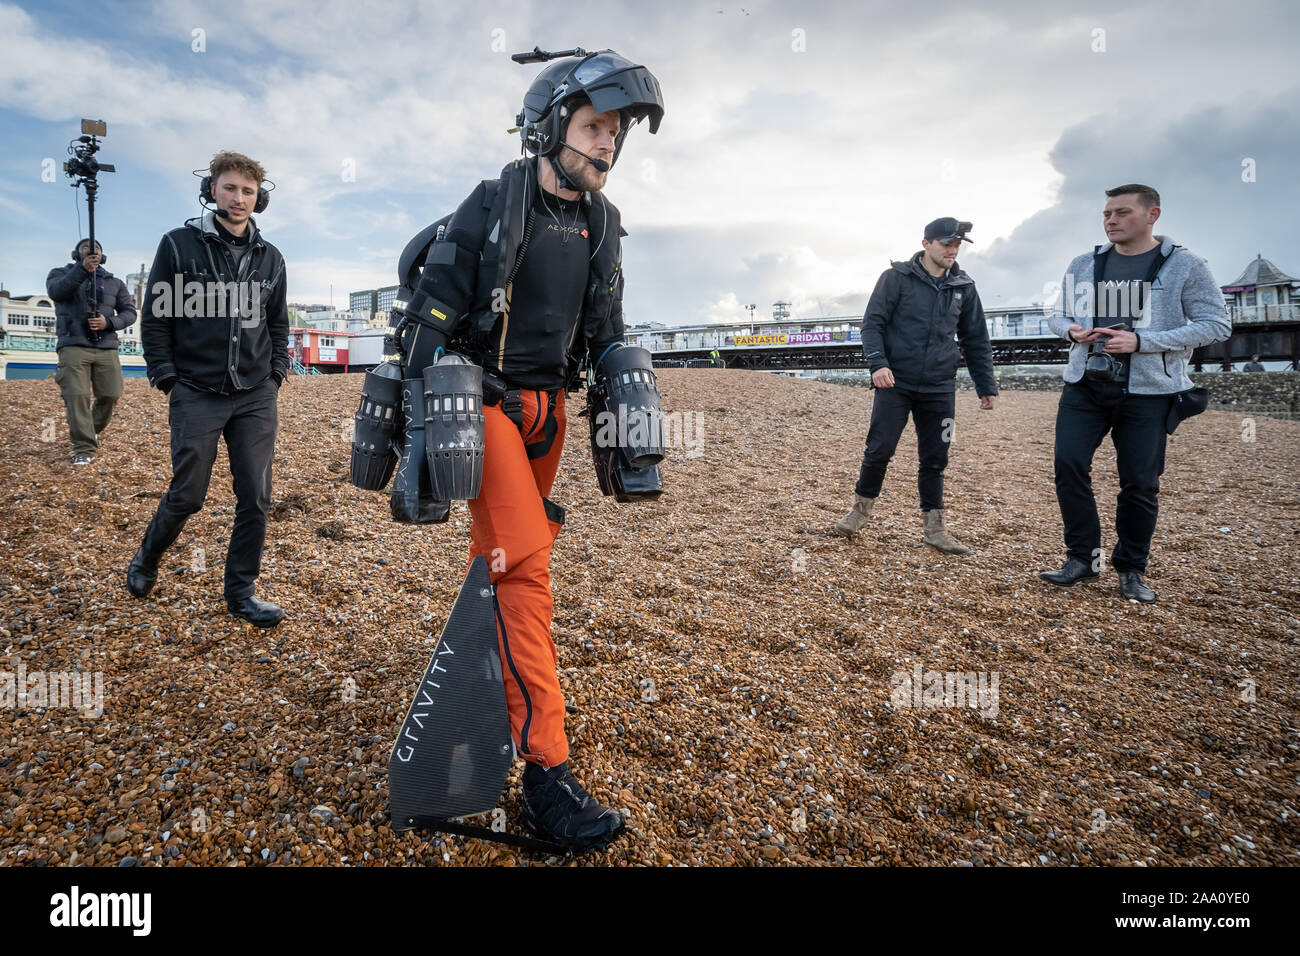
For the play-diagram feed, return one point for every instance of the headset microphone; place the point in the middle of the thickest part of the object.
(600, 164)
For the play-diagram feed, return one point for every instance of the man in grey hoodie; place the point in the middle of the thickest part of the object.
(1134, 310)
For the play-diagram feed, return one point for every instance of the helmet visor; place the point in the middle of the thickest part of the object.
(612, 82)
(594, 67)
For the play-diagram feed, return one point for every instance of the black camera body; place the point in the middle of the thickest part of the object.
(83, 163)
(1102, 366)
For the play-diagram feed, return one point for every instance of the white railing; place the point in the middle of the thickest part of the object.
(664, 340)
(1034, 327)
(1250, 314)
(1000, 327)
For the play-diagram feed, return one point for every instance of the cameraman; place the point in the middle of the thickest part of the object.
(1154, 302)
(220, 362)
(89, 367)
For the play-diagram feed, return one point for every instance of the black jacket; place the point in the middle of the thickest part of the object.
(69, 287)
(478, 256)
(217, 350)
(913, 328)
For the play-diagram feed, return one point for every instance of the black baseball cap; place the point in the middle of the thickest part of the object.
(947, 229)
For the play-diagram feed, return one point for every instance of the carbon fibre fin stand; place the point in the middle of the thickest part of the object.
(454, 750)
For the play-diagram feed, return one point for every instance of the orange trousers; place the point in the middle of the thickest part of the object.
(513, 525)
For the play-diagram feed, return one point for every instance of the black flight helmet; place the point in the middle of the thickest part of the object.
(606, 79)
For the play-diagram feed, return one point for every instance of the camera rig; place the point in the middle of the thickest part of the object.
(84, 170)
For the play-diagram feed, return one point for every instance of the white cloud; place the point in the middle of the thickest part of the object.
(890, 118)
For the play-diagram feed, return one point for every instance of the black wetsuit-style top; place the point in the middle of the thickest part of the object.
(546, 296)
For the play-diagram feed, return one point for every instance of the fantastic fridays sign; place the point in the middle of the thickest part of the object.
(799, 338)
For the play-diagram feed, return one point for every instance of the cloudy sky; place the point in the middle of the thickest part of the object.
(804, 146)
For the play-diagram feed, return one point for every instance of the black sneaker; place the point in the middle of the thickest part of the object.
(557, 808)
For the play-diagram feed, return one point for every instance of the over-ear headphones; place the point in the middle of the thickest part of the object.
(263, 194)
(76, 251)
(543, 137)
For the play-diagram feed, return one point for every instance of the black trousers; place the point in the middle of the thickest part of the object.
(1088, 410)
(933, 414)
(248, 420)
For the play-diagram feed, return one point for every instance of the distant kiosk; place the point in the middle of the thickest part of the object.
(1264, 306)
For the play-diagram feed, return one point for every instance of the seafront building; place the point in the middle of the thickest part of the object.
(27, 348)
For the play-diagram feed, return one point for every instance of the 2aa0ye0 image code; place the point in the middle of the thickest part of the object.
(1197, 897)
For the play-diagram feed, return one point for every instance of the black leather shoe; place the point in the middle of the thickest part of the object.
(1071, 572)
(141, 574)
(255, 612)
(1134, 588)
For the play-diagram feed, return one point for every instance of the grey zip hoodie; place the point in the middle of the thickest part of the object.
(1184, 311)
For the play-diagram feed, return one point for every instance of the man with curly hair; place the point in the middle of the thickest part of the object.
(215, 331)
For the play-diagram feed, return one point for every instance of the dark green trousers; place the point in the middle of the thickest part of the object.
(91, 383)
